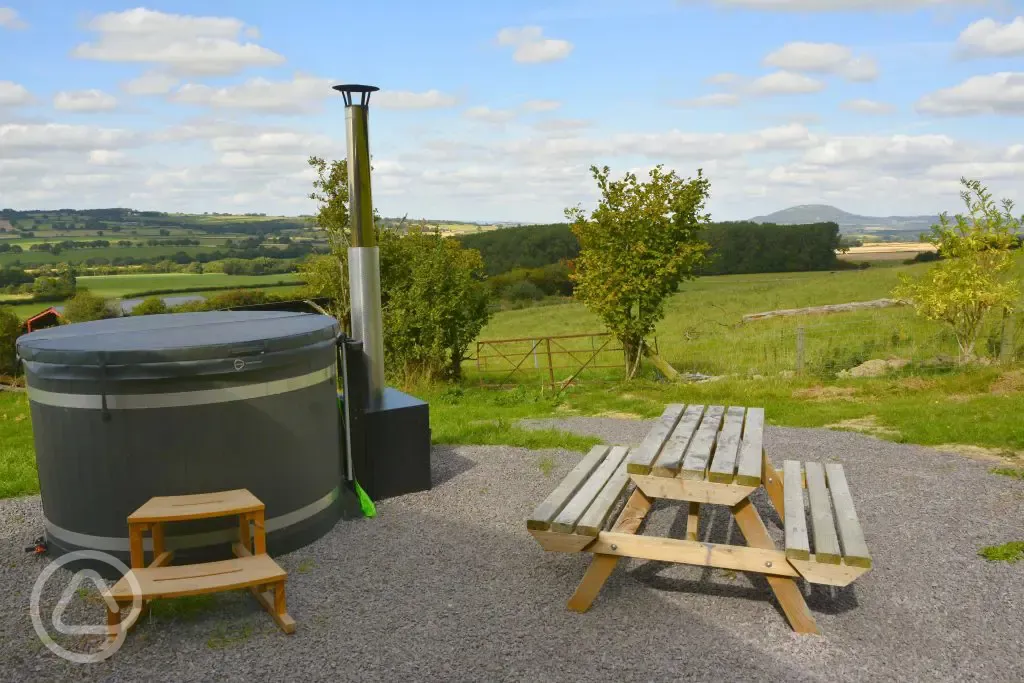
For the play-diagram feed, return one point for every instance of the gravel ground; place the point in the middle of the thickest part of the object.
(447, 585)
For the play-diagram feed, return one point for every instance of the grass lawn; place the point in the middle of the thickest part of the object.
(17, 454)
(978, 407)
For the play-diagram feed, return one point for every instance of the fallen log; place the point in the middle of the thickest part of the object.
(821, 310)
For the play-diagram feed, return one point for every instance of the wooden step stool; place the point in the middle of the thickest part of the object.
(251, 567)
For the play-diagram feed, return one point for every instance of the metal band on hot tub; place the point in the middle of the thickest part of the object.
(183, 398)
(114, 544)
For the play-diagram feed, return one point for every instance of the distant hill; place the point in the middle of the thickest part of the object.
(848, 222)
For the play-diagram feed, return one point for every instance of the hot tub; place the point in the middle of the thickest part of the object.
(130, 408)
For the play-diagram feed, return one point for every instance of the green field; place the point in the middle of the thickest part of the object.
(702, 329)
(130, 286)
(82, 255)
(125, 286)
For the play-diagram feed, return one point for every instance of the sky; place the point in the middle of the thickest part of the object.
(495, 111)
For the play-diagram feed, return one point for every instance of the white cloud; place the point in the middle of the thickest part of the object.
(302, 94)
(14, 94)
(829, 58)
(718, 99)
(402, 99)
(864, 106)
(835, 5)
(9, 19)
(108, 157)
(724, 78)
(84, 100)
(786, 83)
(531, 47)
(537, 106)
(562, 125)
(59, 137)
(1000, 93)
(987, 37)
(186, 45)
(488, 115)
(150, 83)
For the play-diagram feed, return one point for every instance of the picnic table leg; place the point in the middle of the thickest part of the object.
(787, 592)
(773, 485)
(693, 522)
(602, 566)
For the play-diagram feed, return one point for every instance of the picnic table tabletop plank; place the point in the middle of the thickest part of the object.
(643, 456)
(748, 471)
(597, 514)
(826, 544)
(723, 465)
(671, 458)
(566, 520)
(855, 549)
(544, 513)
(797, 545)
(695, 464)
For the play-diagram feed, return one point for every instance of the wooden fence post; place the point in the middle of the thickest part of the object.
(551, 367)
(1006, 347)
(800, 350)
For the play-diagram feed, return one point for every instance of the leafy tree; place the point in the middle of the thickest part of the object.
(972, 278)
(638, 245)
(324, 277)
(432, 291)
(85, 306)
(150, 306)
(435, 303)
(10, 329)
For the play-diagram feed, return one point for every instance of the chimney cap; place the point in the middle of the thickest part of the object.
(346, 89)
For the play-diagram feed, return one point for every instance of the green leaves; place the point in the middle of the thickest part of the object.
(636, 247)
(973, 279)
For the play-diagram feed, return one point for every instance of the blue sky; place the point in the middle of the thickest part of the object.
(494, 111)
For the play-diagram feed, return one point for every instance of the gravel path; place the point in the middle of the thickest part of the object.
(447, 585)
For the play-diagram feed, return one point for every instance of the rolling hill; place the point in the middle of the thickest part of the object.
(848, 222)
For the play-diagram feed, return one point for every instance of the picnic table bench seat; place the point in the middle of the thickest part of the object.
(707, 455)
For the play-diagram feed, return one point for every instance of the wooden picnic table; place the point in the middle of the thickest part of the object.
(707, 455)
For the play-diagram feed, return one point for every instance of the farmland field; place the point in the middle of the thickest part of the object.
(123, 286)
(82, 255)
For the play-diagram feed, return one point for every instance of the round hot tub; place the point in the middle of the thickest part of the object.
(130, 408)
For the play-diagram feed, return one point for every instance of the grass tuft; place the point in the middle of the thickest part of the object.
(1011, 472)
(1011, 552)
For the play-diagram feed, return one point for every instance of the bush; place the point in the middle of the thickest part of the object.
(85, 306)
(522, 291)
(152, 306)
(10, 329)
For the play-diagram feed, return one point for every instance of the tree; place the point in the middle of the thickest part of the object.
(85, 306)
(435, 303)
(638, 245)
(433, 295)
(972, 278)
(325, 276)
(150, 306)
(10, 329)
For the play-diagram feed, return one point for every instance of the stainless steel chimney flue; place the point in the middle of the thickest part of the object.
(363, 254)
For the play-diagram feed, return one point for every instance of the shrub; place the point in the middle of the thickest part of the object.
(522, 291)
(85, 306)
(10, 329)
(150, 306)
